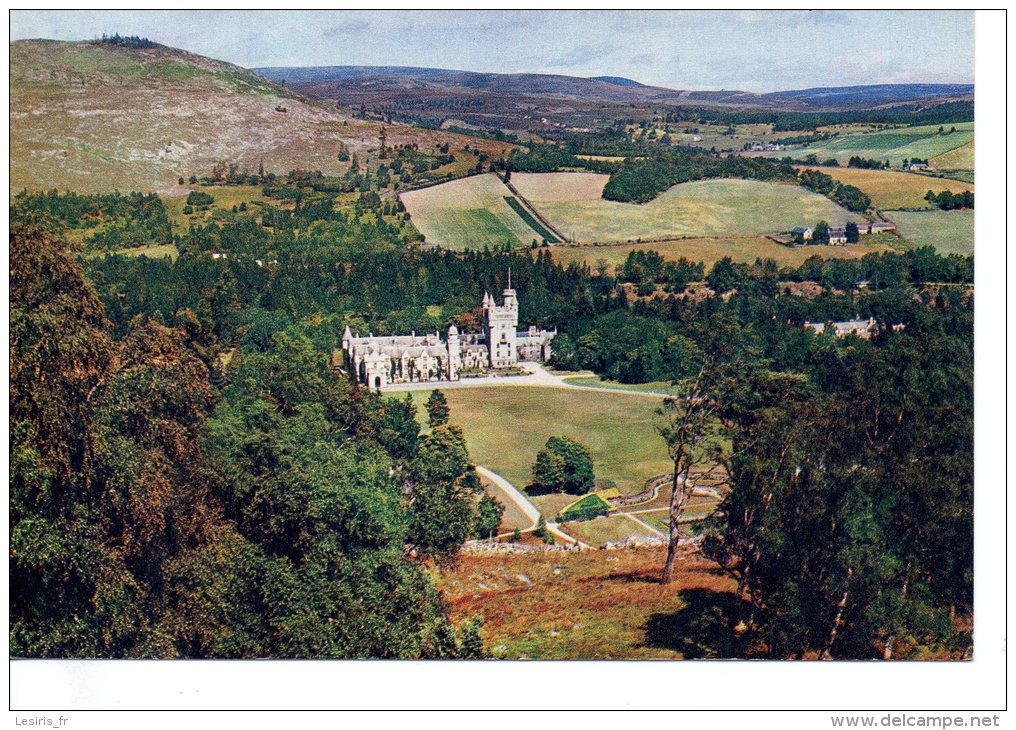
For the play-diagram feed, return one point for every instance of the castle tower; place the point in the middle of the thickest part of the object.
(454, 353)
(500, 326)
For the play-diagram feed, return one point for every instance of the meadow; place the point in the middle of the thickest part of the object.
(892, 190)
(949, 231)
(894, 145)
(506, 426)
(470, 213)
(592, 604)
(724, 207)
(710, 250)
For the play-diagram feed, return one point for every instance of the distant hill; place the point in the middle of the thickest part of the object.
(90, 117)
(876, 95)
(616, 80)
(329, 81)
(342, 83)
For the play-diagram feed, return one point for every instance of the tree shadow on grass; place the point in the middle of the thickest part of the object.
(699, 630)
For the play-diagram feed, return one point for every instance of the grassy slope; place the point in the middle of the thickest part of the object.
(696, 209)
(505, 427)
(891, 190)
(894, 145)
(591, 604)
(708, 250)
(467, 213)
(961, 158)
(94, 118)
(948, 231)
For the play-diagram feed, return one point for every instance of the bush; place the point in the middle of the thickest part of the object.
(198, 198)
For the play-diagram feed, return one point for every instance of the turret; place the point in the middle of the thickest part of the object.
(347, 337)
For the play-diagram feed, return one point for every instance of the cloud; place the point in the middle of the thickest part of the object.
(352, 27)
(582, 55)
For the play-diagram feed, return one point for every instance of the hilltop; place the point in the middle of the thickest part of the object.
(90, 117)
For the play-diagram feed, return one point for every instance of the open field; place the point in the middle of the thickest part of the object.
(572, 203)
(506, 427)
(467, 213)
(710, 250)
(596, 532)
(894, 145)
(949, 231)
(961, 158)
(592, 604)
(890, 189)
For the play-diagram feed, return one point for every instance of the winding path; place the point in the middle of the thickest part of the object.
(513, 494)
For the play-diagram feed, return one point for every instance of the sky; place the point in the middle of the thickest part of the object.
(756, 51)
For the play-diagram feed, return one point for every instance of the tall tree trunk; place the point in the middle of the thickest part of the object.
(887, 648)
(676, 505)
(837, 622)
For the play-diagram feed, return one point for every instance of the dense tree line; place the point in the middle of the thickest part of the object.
(951, 201)
(157, 514)
(905, 114)
(849, 196)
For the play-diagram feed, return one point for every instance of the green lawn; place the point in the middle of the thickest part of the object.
(894, 145)
(606, 529)
(506, 426)
(593, 381)
(697, 209)
(467, 214)
(949, 231)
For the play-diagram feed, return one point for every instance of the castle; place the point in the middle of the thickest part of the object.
(380, 361)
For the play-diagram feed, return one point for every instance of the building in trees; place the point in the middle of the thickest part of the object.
(378, 361)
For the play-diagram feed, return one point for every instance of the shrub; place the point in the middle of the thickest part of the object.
(197, 198)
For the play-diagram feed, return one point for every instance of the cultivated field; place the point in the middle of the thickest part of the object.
(505, 427)
(961, 158)
(890, 189)
(593, 604)
(949, 231)
(894, 145)
(467, 214)
(709, 250)
(572, 202)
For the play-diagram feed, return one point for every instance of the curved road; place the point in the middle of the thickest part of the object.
(526, 506)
